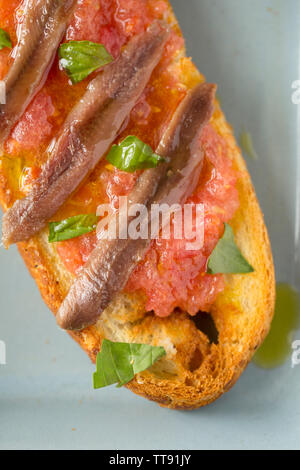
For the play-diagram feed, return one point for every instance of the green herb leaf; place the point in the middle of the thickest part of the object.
(72, 227)
(5, 40)
(227, 258)
(132, 154)
(247, 146)
(81, 58)
(119, 362)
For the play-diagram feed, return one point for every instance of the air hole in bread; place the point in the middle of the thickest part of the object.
(205, 323)
(189, 382)
(196, 360)
(164, 369)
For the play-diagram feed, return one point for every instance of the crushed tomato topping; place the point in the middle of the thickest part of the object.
(26, 134)
(170, 276)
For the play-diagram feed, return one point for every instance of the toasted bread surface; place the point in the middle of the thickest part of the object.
(195, 372)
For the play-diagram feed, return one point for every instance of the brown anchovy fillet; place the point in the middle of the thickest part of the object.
(88, 132)
(112, 261)
(42, 30)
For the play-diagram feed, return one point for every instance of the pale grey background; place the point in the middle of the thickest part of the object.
(251, 49)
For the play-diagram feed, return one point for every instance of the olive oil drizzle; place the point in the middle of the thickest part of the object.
(277, 348)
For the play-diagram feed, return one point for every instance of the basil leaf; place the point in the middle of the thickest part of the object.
(119, 362)
(227, 258)
(81, 58)
(72, 227)
(5, 40)
(132, 154)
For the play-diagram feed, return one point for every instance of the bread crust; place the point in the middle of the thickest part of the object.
(194, 372)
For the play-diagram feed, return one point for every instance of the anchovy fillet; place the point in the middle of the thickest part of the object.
(112, 261)
(42, 30)
(87, 134)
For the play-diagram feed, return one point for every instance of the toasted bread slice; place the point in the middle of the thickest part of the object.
(195, 372)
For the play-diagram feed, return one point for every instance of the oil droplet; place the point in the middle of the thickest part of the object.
(12, 167)
(247, 145)
(277, 348)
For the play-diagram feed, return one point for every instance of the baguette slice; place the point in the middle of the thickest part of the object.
(195, 371)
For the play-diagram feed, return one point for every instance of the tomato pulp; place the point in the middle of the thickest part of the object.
(170, 275)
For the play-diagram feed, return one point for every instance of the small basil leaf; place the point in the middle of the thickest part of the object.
(132, 154)
(227, 258)
(119, 362)
(72, 227)
(81, 58)
(5, 40)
